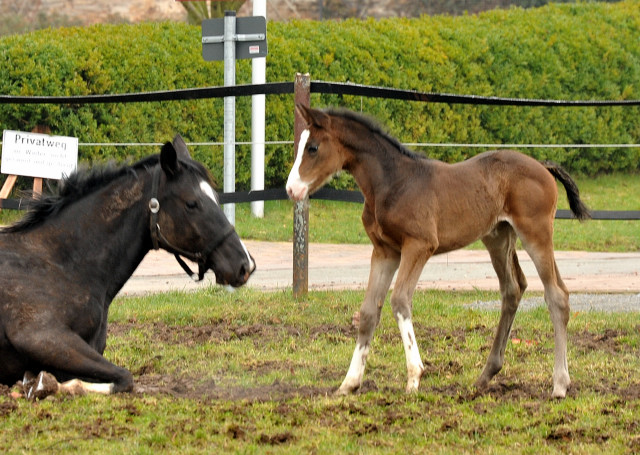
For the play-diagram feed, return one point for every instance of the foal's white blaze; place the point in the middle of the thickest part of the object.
(206, 189)
(297, 189)
(414, 362)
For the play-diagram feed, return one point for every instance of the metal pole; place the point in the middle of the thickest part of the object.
(302, 95)
(258, 76)
(230, 112)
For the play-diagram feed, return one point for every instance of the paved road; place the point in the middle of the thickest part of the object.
(347, 267)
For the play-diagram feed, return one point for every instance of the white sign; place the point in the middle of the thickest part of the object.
(38, 155)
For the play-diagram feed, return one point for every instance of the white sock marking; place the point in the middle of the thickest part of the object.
(358, 362)
(414, 362)
(75, 385)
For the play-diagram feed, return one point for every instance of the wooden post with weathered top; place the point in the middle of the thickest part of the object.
(302, 95)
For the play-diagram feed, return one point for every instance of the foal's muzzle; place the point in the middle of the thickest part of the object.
(297, 190)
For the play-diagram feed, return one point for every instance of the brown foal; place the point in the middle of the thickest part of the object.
(416, 207)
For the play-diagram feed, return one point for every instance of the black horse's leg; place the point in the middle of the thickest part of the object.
(67, 355)
(13, 366)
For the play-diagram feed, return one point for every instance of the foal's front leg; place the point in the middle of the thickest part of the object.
(383, 266)
(414, 258)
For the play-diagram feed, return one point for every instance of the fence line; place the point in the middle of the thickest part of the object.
(407, 144)
(564, 146)
(329, 88)
(275, 88)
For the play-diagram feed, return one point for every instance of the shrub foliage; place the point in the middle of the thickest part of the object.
(560, 51)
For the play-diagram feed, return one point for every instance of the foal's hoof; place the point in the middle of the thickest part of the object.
(561, 384)
(349, 385)
(559, 393)
(347, 389)
(343, 392)
(412, 385)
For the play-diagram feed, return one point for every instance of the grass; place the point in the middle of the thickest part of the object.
(253, 372)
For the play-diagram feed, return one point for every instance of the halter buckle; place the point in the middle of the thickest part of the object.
(154, 205)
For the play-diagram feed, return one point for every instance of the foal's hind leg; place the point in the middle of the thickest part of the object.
(539, 245)
(384, 264)
(501, 245)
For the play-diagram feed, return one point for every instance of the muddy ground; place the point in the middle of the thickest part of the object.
(151, 382)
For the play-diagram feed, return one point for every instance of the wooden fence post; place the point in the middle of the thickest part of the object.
(302, 95)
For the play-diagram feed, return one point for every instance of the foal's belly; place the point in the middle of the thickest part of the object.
(463, 234)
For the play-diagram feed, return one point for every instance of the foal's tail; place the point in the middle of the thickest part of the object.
(578, 207)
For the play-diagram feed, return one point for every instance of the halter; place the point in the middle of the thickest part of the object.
(156, 236)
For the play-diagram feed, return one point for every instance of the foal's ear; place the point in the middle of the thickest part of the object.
(181, 147)
(313, 117)
(169, 159)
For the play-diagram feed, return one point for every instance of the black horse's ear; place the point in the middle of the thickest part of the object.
(181, 147)
(313, 117)
(169, 159)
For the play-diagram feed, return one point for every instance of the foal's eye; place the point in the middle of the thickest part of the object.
(313, 149)
(192, 205)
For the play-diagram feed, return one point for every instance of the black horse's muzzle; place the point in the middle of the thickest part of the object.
(229, 267)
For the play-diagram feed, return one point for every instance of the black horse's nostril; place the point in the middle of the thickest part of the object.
(247, 269)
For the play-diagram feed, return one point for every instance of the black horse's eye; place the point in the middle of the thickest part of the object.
(192, 205)
(312, 149)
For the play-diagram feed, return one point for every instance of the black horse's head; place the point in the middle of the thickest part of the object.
(186, 218)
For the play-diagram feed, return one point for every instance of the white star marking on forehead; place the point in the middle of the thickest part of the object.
(206, 189)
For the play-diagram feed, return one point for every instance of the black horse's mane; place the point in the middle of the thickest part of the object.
(376, 128)
(77, 185)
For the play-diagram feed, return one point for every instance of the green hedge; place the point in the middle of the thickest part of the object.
(560, 51)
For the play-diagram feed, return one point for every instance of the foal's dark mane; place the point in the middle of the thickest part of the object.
(375, 128)
(76, 186)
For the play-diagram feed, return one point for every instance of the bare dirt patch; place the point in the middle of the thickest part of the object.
(502, 387)
(148, 381)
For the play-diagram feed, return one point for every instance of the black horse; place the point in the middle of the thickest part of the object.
(65, 261)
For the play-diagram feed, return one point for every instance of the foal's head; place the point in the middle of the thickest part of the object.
(320, 153)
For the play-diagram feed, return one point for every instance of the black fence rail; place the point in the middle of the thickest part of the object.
(280, 88)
